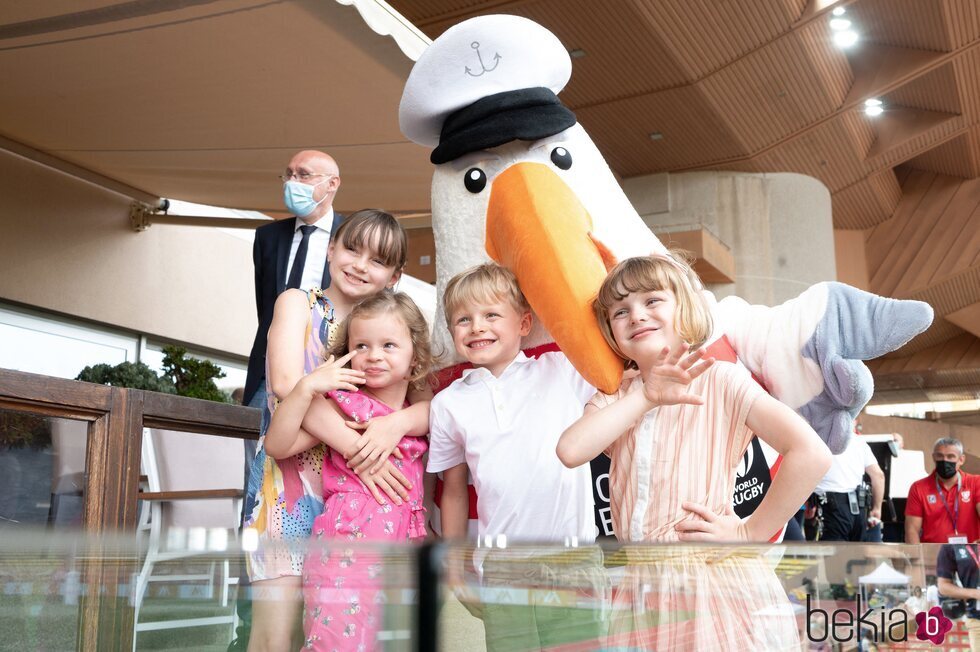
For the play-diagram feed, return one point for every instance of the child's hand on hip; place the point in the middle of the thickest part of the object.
(666, 382)
(332, 375)
(711, 527)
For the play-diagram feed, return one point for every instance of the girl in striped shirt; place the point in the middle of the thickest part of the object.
(675, 432)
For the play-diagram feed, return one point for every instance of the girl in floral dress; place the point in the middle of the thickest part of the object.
(386, 340)
(366, 255)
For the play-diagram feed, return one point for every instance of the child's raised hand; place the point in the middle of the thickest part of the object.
(665, 383)
(379, 439)
(711, 527)
(332, 375)
(389, 481)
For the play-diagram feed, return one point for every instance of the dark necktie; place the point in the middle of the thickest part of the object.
(299, 262)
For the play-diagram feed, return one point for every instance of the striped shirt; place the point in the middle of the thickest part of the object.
(679, 453)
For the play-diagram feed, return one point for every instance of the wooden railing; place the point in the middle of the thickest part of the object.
(116, 417)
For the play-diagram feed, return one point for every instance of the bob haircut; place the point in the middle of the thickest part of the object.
(486, 283)
(692, 320)
(401, 305)
(359, 229)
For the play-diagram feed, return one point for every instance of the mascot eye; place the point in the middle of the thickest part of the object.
(561, 157)
(475, 180)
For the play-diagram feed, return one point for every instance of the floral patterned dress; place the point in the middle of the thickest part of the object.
(284, 496)
(342, 588)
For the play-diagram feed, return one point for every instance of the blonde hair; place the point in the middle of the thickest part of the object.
(360, 227)
(401, 305)
(484, 283)
(692, 320)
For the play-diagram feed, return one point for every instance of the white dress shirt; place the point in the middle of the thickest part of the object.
(316, 253)
(506, 430)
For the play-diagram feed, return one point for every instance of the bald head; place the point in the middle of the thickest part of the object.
(321, 161)
(324, 178)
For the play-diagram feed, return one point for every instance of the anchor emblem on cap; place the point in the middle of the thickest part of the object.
(496, 61)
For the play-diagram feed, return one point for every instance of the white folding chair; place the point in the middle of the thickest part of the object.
(191, 506)
(68, 441)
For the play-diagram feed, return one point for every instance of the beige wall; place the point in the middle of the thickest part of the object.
(778, 226)
(421, 244)
(67, 246)
(919, 434)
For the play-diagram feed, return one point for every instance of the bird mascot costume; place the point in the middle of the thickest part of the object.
(518, 181)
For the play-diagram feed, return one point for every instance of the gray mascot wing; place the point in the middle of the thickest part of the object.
(810, 350)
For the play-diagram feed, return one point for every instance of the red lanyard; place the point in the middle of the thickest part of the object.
(955, 516)
(974, 555)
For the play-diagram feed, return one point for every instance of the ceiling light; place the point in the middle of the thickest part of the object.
(845, 38)
(839, 24)
(839, 11)
(873, 107)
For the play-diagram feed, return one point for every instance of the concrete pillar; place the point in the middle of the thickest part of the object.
(778, 226)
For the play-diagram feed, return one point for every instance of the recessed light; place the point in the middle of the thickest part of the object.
(839, 24)
(873, 107)
(845, 38)
(577, 53)
(656, 135)
(839, 11)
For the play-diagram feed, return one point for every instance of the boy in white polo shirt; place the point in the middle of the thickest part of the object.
(501, 423)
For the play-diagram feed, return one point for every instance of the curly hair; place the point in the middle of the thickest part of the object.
(401, 305)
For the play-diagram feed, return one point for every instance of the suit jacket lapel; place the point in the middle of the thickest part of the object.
(325, 281)
(282, 256)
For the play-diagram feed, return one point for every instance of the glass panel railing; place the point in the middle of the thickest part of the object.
(355, 595)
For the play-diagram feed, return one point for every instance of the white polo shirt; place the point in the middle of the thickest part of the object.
(506, 430)
(848, 468)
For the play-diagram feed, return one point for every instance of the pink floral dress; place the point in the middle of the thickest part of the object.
(343, 593)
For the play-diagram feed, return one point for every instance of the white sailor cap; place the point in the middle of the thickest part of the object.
(485, 82)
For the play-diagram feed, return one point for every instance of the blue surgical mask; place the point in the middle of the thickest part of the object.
(298, 197)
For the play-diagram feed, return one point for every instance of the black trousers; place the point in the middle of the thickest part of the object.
(839, 524)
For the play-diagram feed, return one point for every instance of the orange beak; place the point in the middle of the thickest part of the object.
(539, 229)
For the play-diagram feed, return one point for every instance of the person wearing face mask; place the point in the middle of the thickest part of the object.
(292, 252)
(943, 507)
(288, 253)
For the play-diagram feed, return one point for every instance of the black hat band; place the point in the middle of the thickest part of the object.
(525, 114)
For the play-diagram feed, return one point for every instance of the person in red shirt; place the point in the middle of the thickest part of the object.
(943, 507)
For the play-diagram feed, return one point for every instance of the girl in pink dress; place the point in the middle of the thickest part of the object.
(366, 255)
(386, 340)
(675, 432)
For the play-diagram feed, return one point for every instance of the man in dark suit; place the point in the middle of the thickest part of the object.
(288, 253)
(310, 183)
